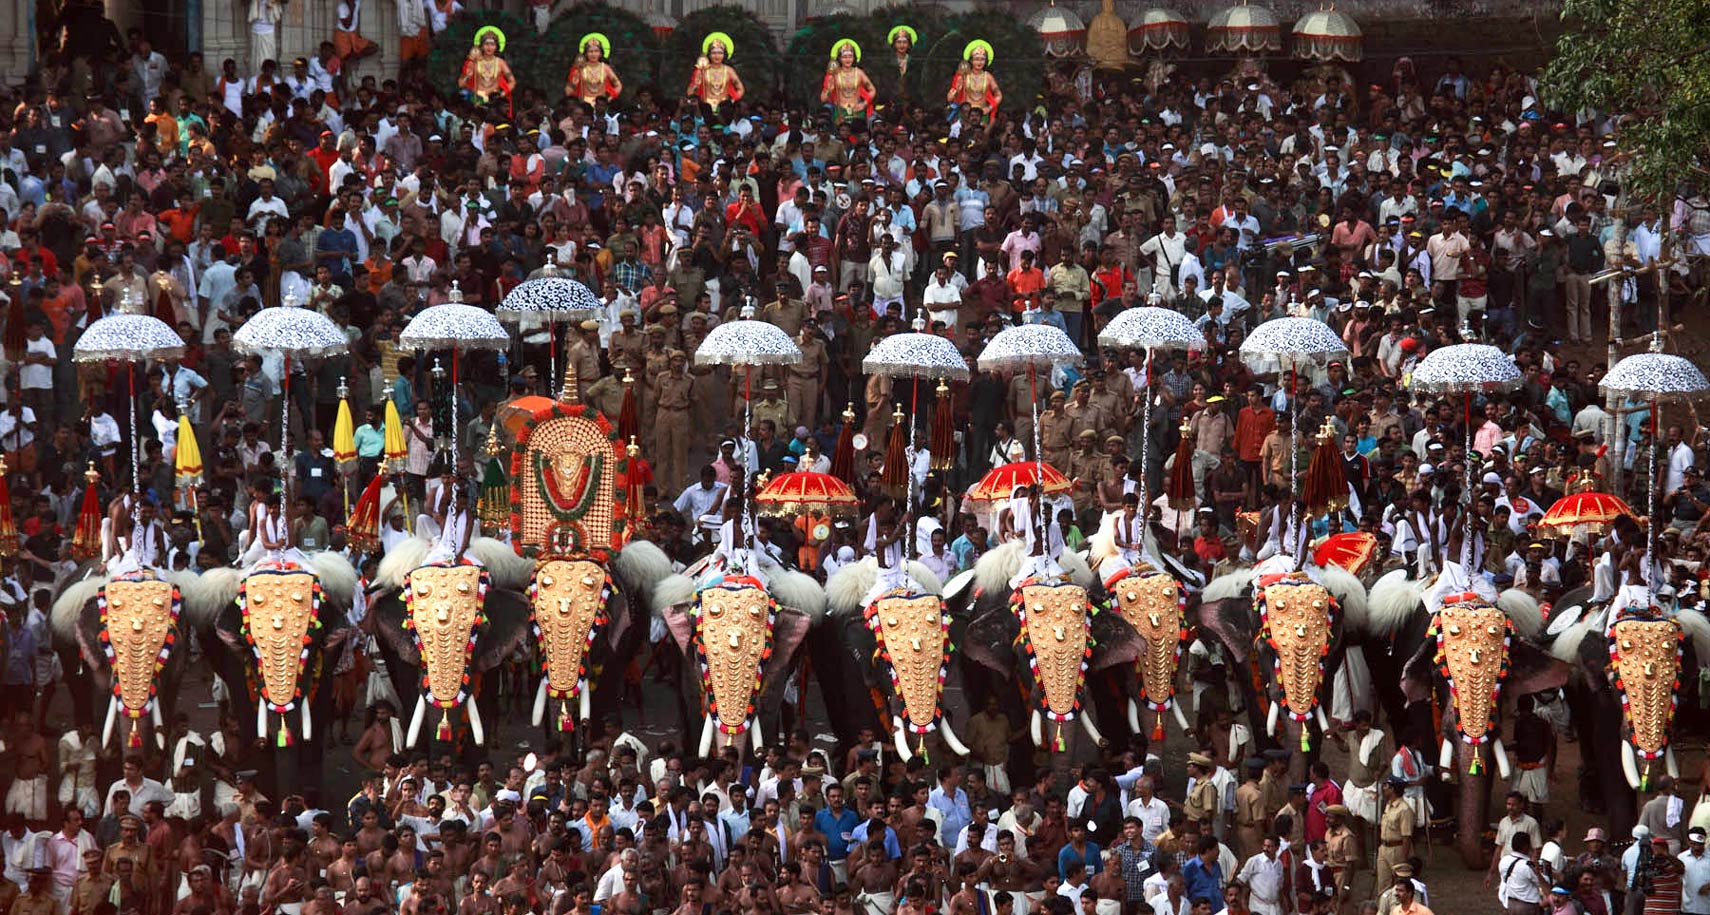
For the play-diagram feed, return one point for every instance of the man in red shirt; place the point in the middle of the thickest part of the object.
(1255, 421)
(1025, 283)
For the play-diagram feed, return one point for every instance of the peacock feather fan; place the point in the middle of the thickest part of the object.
(809, 54)
(635, 48)
(756, 58)
(522, 52)
(1018, 61)
(928, 25)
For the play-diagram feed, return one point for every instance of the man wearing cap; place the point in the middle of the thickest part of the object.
(1341, 854)
(130, 847)
(1404, 895)
(1695, 880)
(804, 380)
(1203, 804)
(1395, 831)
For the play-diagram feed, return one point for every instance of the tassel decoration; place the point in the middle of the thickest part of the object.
(565, 722)
(896, 453)
(8, 530)
(629, 415)
(943, 430)
(443, 735)
(843, 456)
(1305, 738)
(1324, 490)
(1179, 487)
(1475, 767)
(1158, 728)
(284, 738)
(135, 741)
(86, 542)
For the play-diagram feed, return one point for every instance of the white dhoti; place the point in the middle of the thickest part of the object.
(840, 871)
(1351, 688)
(82, 796)
(1362, 801)
(1108, 907)
(28, 798)
(997, 779)
(876, 903)
(262, 46)
(1534, 783)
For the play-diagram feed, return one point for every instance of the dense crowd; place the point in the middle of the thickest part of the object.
(1430, 207)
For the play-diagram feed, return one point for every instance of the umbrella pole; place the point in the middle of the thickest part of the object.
(748, 472)
(285, 431)
(1038, 459)
(455, 355)
(913, 432)
(1651, 503)
(1295, 535)
(1466, 493)
(136, 458)
(1146, 457)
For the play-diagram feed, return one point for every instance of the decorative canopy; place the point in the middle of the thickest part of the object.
(747, 342)
(1158, 29)
(293, 331)
(805, 491)
(1038, 346)
(1352, 551)
(1060, 31)
(1292, 340)
(454, 325)
(1594, 510)
(1150, 328)
(1243, 29)
(127, 338)
(1465, 368)
(999, 483)
(559, 296)
(916, 355)
(1655, 376)
(1328, 34)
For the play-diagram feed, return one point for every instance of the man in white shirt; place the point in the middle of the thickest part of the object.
(1263, 875)
(142, 788)
(1168, 249)
(1679, 459)
(943, 297)
(980, 831)
(1695, 881)
(1149, 809)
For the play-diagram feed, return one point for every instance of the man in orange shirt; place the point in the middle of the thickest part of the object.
(1025, 282)
(180, 221)
(1252, 425)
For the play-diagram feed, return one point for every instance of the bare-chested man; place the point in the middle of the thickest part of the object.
(287, 882)
(795, 895)
(363, 900)
(206, 892)
(874, 880)
(966, 900)
(378, 742)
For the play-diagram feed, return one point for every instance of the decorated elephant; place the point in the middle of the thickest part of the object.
(1043, 634)
(1626, 689)
(897, 648)
(278, 633)
(744, 632)
(1462, 653)
(131, 633)
(1288, 632)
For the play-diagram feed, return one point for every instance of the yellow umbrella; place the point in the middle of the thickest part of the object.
(397, 450)
(188, 462)
(344, 435)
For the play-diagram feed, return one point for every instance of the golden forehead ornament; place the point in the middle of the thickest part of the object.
(911, 630)
(1056, 627)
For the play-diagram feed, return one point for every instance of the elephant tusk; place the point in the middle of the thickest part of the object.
(1091, 729)
(159, 728)
(901, 739)
(1323, 720)
(261, 720)
(308, 721)
(1271, 720)
(754, 733)
(584, 702)
(956, 746)
(1036, 728)
(1181, 719)
(1629, 765)
(475, 730)
(540, 703)
(1501, 754)
(1133, 715)
(1669, 764)
(416, 722)
(1446, 758)
(706, 737)
(106, 731)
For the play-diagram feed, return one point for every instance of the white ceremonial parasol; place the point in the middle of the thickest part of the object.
(131, 339)
(459, 328)
(1293, 342)
(287, 330)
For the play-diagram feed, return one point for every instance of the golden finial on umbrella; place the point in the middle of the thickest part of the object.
(572, 390)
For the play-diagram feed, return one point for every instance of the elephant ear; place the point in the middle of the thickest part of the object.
(385, 621)
(1419, 673)
(788, 631)
(1533, 670)
(618, 611)
(1116, 642)
(507, 628)
(1234, 623)
(990, 639)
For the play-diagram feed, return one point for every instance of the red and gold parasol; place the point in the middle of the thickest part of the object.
(805, 491)
(999, 483)
(1595, 510)
(1352, 551)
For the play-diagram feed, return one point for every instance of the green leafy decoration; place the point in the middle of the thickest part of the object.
(635, 49)
(1648, 60)
(756, 59)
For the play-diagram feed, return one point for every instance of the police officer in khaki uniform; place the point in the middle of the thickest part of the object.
(1395, 831)
(804, 380)
(785, 312)
(1087, 464)
(1202, 804)
(771, 406)
(1274, 785)
(1342, 854)
(672, 429)
(1054, 434)
(92, 888)
(1294, 807)
(38, 895)
(131, 846)
(584, 355)
(1250, 823)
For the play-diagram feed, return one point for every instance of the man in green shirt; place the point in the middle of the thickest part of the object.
(311, 528)
(370, 444)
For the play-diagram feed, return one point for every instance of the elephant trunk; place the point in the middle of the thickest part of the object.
(1474, 810)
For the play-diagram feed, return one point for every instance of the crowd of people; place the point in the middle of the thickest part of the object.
(1430, 207)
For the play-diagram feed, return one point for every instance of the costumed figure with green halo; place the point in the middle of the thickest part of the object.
(973, 84)
(714, 80)
(902, 39)
(591, 77)
(485, 74)
(846, 87)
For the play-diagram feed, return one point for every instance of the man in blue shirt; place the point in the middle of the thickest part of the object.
(1202, 876)
(949, 798)
(874, 829)
(336, 248)
(1079, 851)
(838, 823)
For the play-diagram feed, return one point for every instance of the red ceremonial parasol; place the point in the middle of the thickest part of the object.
(999, 483)
(1351, 551)
(8, 530)
(803, 491)
(1595, 510)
